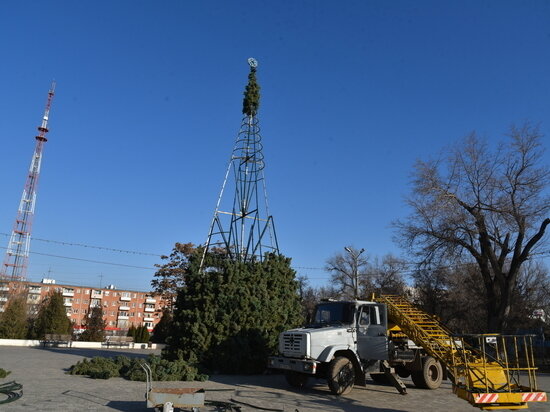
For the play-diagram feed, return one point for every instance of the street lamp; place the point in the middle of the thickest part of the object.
(350, 251)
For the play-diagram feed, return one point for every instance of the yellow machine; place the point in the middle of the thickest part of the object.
(489, 371)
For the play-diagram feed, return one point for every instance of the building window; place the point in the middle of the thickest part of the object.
(85, 301)
(141, 305)
(114, 303)
(139, 314)
(112, 313)
(107, 293)
(77, 300)
(78, 291)
(87, 291)
(132, 313)
(135, 295)
(75, 310)
(133, 304)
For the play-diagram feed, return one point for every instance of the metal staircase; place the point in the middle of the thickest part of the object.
(486, 370)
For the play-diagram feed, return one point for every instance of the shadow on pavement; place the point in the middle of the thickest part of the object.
(128, 406)
(90, 353)
(273, 391)
(125, 406)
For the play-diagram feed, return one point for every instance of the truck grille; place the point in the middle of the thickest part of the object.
(294, 344)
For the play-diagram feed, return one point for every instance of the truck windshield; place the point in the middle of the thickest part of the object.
(334, 313)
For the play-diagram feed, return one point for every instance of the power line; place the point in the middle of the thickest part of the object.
(90, 260)
(134, 252)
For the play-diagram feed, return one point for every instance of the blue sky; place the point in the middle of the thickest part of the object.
(148, 105)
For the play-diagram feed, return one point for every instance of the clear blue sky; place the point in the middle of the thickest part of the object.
(148, 105)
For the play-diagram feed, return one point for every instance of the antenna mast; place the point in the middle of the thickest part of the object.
(17, 253)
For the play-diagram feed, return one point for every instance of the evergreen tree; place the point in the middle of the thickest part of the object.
(251, 101)
(229, 316)
(162, 329)
(142, 334)
(13, 321)
(95, 326)
(131, 331)
(52, 317)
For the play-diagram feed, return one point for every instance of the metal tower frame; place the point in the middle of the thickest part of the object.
(247, 232)
(17, 254)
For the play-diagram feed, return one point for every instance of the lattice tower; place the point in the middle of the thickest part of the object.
(245, 231)
(17, 253)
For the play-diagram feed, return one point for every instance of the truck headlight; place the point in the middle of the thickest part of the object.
(310, 367)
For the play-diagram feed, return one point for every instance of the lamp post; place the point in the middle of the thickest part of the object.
(355, 269)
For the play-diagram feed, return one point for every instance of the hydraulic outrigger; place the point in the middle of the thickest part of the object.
(489, 371)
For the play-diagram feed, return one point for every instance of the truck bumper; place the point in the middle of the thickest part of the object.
(290, 364)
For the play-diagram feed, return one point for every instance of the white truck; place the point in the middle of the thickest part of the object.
(348, 340)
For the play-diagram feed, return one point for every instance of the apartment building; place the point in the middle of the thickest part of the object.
(121, 308)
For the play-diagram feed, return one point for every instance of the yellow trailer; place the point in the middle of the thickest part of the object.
(489, 371)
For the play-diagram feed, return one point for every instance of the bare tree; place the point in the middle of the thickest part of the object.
(531, 300)
(349, 271)
(488, 205)
(386, 276)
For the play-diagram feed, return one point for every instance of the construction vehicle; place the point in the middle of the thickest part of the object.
(390, 338)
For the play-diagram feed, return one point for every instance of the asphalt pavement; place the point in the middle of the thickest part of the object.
(47, 387)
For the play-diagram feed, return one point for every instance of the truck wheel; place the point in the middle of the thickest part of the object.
(340, 375)
(430, 376)
(296, 379)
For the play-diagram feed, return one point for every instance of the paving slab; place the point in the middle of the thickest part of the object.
(47, 387)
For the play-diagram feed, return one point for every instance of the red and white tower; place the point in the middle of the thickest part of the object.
(17, 253)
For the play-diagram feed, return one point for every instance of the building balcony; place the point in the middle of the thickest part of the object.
(67, 303)
(96, 296)
(120, 317)
(150, 300)
(68, 294)
(3, 298)
(4, 288)
(35, 291)
(124, 308)
(149, 309)
(126, 298)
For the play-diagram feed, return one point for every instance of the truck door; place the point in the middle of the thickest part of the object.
(372, 342)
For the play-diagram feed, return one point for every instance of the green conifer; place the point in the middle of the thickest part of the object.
(229, 316)
(251, 101)
(95, 326)
(162, 329)
(52, 317)
(13, 321)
